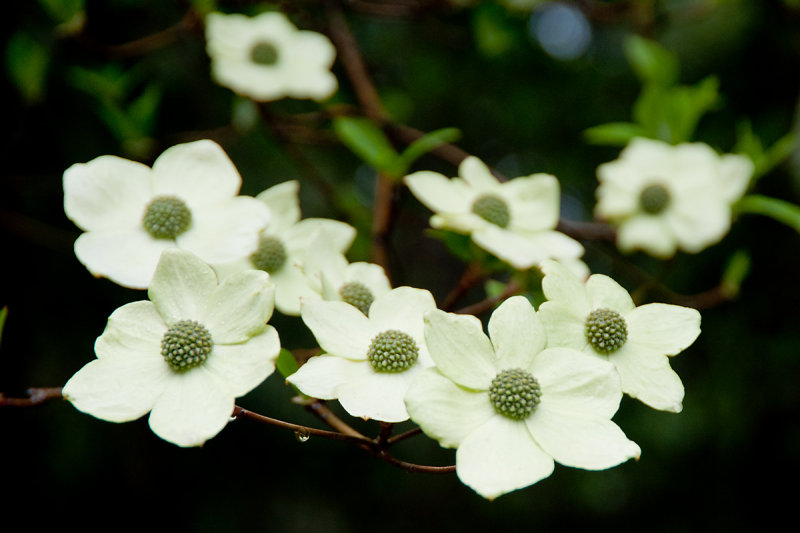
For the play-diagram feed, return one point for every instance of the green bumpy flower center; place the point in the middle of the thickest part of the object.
(492, 209)
(606, 330)
(166, 217)
(515, 393)
(270, 254)
(358, 295)
(654, 199)
(185, 345)
(264, 53)
(392, 351)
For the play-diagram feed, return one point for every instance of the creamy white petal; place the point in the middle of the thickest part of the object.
(445, 411)
(308, 59)
(194, 407)
(604, 292)
(564, 326)
(126, 257)
(517, 333)
(226, 231)
(371, 275)
(239, 307)
(181, 286)
(300, 236)
(323, 375)
(735, 172)
(475, 172)
(663, 328)
(291, 288)
(133, 331)
(501, 456)
(107, 193)
(593, 443)
(284, 205)
(647, 376)
(648, 233)
(533, 201)
(118, 389)
(460, 349)
(244, 366)
(403, 309)
(438, 193)
(524, 250)
(616, 200)
(377, 395)
(339, 328)
(561, 285)
(199, 172)
(699, 223)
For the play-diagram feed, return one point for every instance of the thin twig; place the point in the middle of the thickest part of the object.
(36, 396)
(512, 288)
(323, 412)
(473, 274)
(240, 412)
(403, 436)
(189, 23)
(382, 220)
(413, 467)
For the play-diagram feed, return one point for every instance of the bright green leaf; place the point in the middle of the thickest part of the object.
(286, 363)
(614, 133)
(426, 143)
(494, 33)
(142, 110)
(368, 142)
(3, 315)
(27, 60)
(736, 271)
(780, 210)
(651, 62)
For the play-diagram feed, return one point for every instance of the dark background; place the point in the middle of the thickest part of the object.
(720, 465)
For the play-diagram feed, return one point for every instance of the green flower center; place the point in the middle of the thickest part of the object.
(606, 330)
(264, 53)
(166, 217)
(270, 254)
(358, 295)
(185, 345)
(515, 393)
(492, 209)
(654, 199)
(392, 351)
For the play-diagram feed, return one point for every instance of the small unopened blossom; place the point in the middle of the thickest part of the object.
(514, 220)
(282, 246)
(664, 197)
(599, 318)
(130, 213)
(184, 355)
(369, 361)
(267, 58)
(510, 405)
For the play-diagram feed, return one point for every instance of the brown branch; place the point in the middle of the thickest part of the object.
(413, 467)
(587, 231)
(188, 24)
(239, 412)
(382, 220)
(36, 396)
(403, 436)
(323, 412)
(512, 288)
(469, 279)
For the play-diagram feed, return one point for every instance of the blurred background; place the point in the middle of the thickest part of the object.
(521, 80)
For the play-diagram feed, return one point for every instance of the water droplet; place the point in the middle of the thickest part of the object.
(302, 435)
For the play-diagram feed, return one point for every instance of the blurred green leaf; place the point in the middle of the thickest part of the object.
(492, 28)
(780, 210)
(426, 143)
(651, 62)
(614, 133)
(736, 270)
(494, 288)
(110, 83)
(143, 110)
(286, 363)
(764, 160)
(368, 142)
(27, 61)
(63, 10)
(3, 315)
(672, 113)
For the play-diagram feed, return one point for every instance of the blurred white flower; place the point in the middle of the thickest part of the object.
(665, 197)
(512, 406)
(185, 355)
(131, 213)
(369, 360)
(599, 318)
(267, 58)
(515, 220)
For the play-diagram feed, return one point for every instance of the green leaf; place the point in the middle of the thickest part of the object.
(614, 133)
(427, 143)
(493, 30)
(651, 62)
(27, 61)
(142, 111)
(736, 271)
(63, 11)
(764, 160)
(3, 315)
(457, 244)
(368, 142)
(672, 113)
(780, 210)
(494, 288)
(286, 363)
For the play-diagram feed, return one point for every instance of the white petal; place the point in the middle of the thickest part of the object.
(647, 376)
(181, 286)
(564, 326)
(475, 172)
(307, 60)
(403, 309)
(663, 328)
(226, 231)
(445, 411)
(194, 407)
(199, 173)
(735, 172)
(292, 287)
(517, 333)
(107, 193)
(239, 307)
(371, 275)
(501, 456)
(699, 221)
(126, 257)
(604, 292)
(377, 395)
(615, 201)
(524, 250)
(339, 328)
(586, 442)
(438, 193)
(243, 366)
(533, 201)
(460, 349)
(300, 236)
(133, 331)
(562, 286)
(118, 389)
(283, 204)
(649, 233)
(321, 376)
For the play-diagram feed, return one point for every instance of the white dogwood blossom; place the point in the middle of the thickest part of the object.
(514, 220)
(130, 213)
(183, 356)
(510, 405)
(267, 58)
(599, 317)
(664, 197)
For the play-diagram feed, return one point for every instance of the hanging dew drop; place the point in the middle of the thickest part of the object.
(302, 435)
